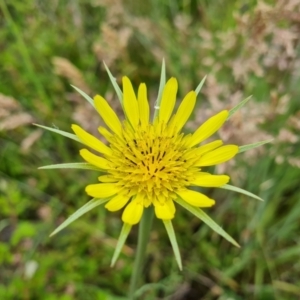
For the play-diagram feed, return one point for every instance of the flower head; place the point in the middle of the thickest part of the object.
(153, 163)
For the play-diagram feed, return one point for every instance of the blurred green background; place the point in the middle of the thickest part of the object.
(245, 48)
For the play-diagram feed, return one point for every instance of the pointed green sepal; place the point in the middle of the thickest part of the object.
(172, 237)
(254, 145)
(121, 241)
(81, 211)
(238, 107)
(239, 190)
(200, 85)
(84, 95)
(85, 166)
(64, 133)
(162, 84)
(199, 213)
(115, 84)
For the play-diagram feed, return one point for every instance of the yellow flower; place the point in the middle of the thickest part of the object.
(153, 163)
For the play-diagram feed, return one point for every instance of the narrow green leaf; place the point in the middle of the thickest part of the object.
(172, 237)
(85, 166)
(115, 84)
(121, 241)
(199, 213)
(251, 146)
(81, 211)
(86, 96)
(237, 107)
(162, 84)
(239, 190)
(199, 87)
(64, 133)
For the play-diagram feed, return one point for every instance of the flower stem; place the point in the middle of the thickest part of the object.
(143, 237)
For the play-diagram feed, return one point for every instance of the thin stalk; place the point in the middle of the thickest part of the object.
(143, 237)
(147, 218)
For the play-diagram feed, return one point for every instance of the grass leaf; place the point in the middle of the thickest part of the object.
(199, 87)
(81, 211)
(239, 190)
(85, 166)
(238, 107)
(86, 96)
(254, 145)
(172, 237)
(63, 133)
(115, 84)
(162, 84)
(199, 213)
(121, 241)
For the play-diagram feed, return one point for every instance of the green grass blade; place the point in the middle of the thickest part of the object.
(238, 107)
(254, 145)
(200, 85)
(121, 241)
(172, 237)
(84, 95)
(81, 211)
(239, 190)
(162, 84)
(85, 166)
(115, 84)
(64, 133)
(290, 288)
(23, 51)
(199, 213)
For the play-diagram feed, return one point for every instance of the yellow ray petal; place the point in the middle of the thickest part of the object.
(171, 205)
(195, 198)
(108, 115)
(117, 202)
(217, 156)
(187, 139)
(198, 152)
(209, 147)
(102, 190)
(184, 110)
(168, 100)
(130, 103)
(90, 140)
(164, 211)
(133, 212)
(106, 178)
(143, 104)
(171, 129)
(93, 159)
(106, 133)
(208, 180)
(209, 127)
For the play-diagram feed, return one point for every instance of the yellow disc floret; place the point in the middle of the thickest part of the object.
(150, 160)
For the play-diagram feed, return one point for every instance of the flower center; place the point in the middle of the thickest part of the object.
(151, 160)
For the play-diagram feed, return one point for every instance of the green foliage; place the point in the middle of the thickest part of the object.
(172, 237)
(236, 44)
